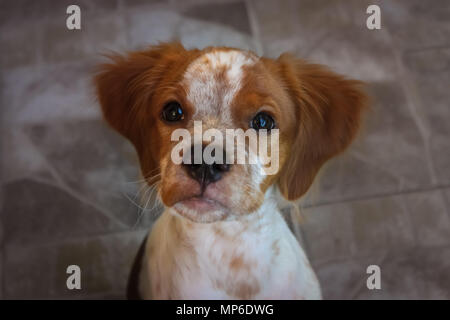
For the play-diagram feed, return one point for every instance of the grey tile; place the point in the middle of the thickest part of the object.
(388, 156)
(418, 273)
(294, 219)
(62, 44)
(152, 24)
(105, 34)
(401, 275)
(44, 37)
(20, 162)
(394, 142)
(357, 228)
(343, 49)
(341, 43)
(89, 9)
(148, 25)
(195, 34)
(340, 279)
(406, 235)
(429, 217)
(96, 168)
(200, 34)
(187, 3)
(232, 14)
(328, 233)
(401, 278)
(347, 279)
(296, 20)
(429, 72)
(436, 269)
(55, 94)
(39, 271)
(36, 212)
(136, 3)
(99, 34)
(16, 12)
(417, 24)
(446, 194)
(25, 10)
(21, 46)
(48, 93)
(380, 225)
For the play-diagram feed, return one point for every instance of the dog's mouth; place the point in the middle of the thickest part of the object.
(201, 209)
(201, 204)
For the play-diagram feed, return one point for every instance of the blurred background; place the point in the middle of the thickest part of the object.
(68, 182)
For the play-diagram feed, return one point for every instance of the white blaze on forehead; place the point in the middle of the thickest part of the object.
(210, 91)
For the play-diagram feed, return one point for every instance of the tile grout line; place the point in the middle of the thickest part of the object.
(429, 48)
(377, 196)
(61, 184)
(72, 239)
(122, 11)
(254, 26)
(318, 263)
(446, 202)
(365, 159)
(406, 208)
(413, 103)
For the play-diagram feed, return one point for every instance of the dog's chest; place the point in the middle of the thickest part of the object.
(230, 260)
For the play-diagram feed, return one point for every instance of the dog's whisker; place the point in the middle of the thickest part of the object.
(149, 175)
(141, 188)
(145, 186)
(144, 209)
(133, 201)
(144, 179)
(141, 193)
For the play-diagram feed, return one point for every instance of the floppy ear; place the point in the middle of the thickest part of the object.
(328, 109)
(126, 84)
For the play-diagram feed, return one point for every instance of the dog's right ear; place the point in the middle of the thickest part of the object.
(126, 84)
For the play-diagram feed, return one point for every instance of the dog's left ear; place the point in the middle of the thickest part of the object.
(328, 109)
(125, 85)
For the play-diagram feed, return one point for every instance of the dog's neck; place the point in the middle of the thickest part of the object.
(252, 257)
(260, 221)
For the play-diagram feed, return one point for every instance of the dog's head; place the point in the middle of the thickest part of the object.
(148, 95)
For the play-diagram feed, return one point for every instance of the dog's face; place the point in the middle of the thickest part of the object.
(148, 95)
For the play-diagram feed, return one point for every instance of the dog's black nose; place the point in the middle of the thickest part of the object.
(206, 173)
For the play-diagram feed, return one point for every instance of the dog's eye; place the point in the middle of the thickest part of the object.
(172, 112)
(262, 121)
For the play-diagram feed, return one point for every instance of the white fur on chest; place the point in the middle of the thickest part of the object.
(254, 258)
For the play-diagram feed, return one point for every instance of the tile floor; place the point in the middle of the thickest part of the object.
(67, 180)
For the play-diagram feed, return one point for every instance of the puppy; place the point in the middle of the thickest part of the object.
(222, 235)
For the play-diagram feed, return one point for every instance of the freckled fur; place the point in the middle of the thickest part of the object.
(233, 259)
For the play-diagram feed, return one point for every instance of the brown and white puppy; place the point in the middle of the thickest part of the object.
(222, 235)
